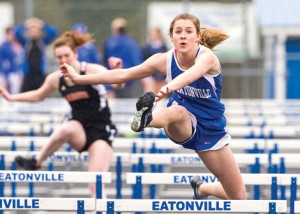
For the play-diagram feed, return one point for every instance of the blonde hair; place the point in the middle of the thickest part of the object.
(209, 37)
(73, 40)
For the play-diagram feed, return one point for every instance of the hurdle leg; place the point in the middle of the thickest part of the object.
(80, 207)
(99, 189)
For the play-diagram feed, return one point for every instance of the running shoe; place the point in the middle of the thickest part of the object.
(196, 182)
(26, 163)
(144, 107)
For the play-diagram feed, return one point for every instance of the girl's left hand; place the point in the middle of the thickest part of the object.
(162, 93)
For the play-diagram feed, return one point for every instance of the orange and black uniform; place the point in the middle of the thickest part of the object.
(90, 107)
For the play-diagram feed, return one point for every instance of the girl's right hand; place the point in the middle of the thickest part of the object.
(115, 62)
(6, 94)
(69, 72)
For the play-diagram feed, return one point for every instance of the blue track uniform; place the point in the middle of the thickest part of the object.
(202, 99)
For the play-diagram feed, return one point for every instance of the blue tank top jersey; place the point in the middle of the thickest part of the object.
(202, 99)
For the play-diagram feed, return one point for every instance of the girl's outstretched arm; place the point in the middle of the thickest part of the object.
(149, 67)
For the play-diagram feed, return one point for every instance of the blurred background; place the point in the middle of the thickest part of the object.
(260, 60)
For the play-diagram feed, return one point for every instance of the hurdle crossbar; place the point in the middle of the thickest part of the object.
(61, 156)
(147, 143)
(191, 206)
(192, 158)
(57, 176)
(185, 178)
(48, 204)
(160, 143)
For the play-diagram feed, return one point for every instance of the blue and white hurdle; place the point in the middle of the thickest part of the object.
(64, 157)
(152, 206)
(141, 160)
(7, 176)
(138, 144)
(158, 145)
(191, 206)
(272, 180)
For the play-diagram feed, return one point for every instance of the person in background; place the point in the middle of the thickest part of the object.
(194, 116)
(2, 76)
(12, 62)
(87, 52)
(90, 127)
(155, 44)
(34, 35)
(120, 45)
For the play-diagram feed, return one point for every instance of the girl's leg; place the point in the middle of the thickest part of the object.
(223, 165)
(71, 132)
(100, 156)
(176, 121)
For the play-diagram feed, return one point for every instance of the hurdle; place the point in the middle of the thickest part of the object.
(144, 143)
(138, 179)
(141, 159)
(253, 161)
(191, 206)
(272, 180)
(156, 145)
(67, 157)
(8, 176)
(250, 120)
(290, 131)
(119, 143)
(80, 205)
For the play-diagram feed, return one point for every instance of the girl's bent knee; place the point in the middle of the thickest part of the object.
(179, 111)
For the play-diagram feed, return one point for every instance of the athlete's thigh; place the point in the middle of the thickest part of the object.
(218, 161)
(100, 156)
(223, 165)
(179, 127)
(74, 134)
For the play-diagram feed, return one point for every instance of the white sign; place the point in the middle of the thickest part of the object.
(7, 20)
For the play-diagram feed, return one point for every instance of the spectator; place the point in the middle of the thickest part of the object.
(12, 62)
(155, 44)
(34, 35)
(120, 45)
(2, 75)
(87, 52)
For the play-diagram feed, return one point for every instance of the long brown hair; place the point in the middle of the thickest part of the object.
(73, 40)
(209, 37)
